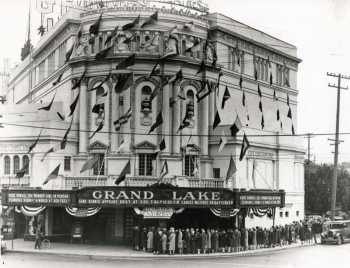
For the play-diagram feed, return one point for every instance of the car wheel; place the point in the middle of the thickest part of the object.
(339, 241)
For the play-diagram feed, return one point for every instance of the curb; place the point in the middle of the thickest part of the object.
(159, 257)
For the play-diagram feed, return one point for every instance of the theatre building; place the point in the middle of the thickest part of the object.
(90, 92)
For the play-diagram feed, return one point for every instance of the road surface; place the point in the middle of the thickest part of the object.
(330, 256)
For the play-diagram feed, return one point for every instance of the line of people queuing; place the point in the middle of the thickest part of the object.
(212, 240)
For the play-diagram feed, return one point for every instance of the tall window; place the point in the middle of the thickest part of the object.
(15, 164)
(67, 163)
(100, 100)
(25, 162)
(99, 168)
(190, 161)
(146, 164)
(7, 165)
(146, 104)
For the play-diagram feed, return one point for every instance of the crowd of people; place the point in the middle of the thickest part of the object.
(212, 240)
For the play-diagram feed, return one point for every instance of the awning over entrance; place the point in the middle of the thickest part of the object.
(142, 197)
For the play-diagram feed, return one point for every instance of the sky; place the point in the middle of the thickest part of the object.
(318, 28)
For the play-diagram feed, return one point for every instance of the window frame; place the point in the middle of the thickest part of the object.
(99, 168)
(16, 164)
(145, 164)
(189, 164)
(7, 165)
(66, 166)
(26, 172)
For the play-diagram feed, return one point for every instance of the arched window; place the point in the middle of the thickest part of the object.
(146, 103)
(7, 165)
(190, 104)
(15, 164)
(25, 162)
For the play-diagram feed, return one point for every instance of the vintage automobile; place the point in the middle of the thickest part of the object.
(336, 232)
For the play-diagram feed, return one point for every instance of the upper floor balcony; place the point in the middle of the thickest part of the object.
(13, 181)
(140, 181)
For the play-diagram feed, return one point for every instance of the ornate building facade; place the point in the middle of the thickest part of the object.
(258, 70)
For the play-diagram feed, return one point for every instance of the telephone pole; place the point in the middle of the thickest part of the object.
(336, 142)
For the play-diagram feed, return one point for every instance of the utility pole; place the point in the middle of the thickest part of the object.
(309, 136)
(336, 142)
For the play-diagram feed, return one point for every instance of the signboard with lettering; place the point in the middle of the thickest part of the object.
(261, 199)
(154, 197)
(37, 197)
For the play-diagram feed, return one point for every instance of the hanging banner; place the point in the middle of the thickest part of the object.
(259, 198)
(82, 212)
(32, 211)
(34, 197)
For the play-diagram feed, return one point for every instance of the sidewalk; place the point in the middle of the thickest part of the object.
(121, 252)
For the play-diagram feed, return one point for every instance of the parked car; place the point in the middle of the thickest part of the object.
(336, 232)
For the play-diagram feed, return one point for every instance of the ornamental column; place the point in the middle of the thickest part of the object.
(83, 118)
(176, 121)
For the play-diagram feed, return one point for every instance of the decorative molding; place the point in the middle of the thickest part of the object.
(97, 145)
(145, 145)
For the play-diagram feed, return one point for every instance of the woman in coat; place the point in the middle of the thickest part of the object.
(150, 240)
(208, 241)
(180, 241)
(164, 240)
(203, 241)
(172, 238)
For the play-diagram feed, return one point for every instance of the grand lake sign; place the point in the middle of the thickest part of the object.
(154, 196)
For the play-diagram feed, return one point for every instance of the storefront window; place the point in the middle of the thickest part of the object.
(146, 164)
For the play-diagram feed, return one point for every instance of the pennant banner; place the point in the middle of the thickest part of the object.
(224, 213)
(32, 211)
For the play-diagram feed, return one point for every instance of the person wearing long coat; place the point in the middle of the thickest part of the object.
(208, 241)
(198, 241)
(160, 235)
(136, 238)
(150, 240)
(172, 238)
(203, 241)
(164, 239)
(255, 243)
(193, 241)
(246, 236)
(214, 241)
(231, 242)
(180, 241)
(186, 241)
(143, 239)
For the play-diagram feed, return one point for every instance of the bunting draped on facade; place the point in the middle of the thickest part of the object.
(82, 212)
(224, 213)
(261, 212)
(32, 211)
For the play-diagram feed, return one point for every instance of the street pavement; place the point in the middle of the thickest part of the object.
(330, 256)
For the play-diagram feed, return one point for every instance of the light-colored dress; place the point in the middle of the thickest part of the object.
(164, 240)
(172, 237)
(180, 243)
(150, 240)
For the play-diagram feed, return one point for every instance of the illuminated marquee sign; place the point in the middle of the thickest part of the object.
(37, 197)
(188, 5)
(155, 197)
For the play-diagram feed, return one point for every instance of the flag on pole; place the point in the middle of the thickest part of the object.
(98, 129)
(241, 82)
(293, 131)
(31, 147)
(225, 97)
(89, 164)
(74, 105)
(236, 127)
(132, 24)
(129, 61)
(202, 68)
(244, 148)
(157, 123)
(287, 99)
(69, 53)
(65, 137)
(231, 169)
(289, 115)
(243, 98)
(58, 80)
(185, 123)
(164, 171)
(77, 82)
(274, 95)
(126, 170)
(223, 141)
(122, 120)
(98, 107)
(124, 146)
(48, 107)
(161, 147)
(102, 82)
(112, 35)
(152, 19)
(94, 28)
(177, 77)
(103, 53)
(155, 70)
(51, 150)
(278, 115)
(271, 79)
(259, 91)
(262, 122)
(20, 173)
(217, 120)
(53, 175)
(124, 82)
(260, 106)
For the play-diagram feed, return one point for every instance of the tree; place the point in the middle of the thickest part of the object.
(318, 185)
